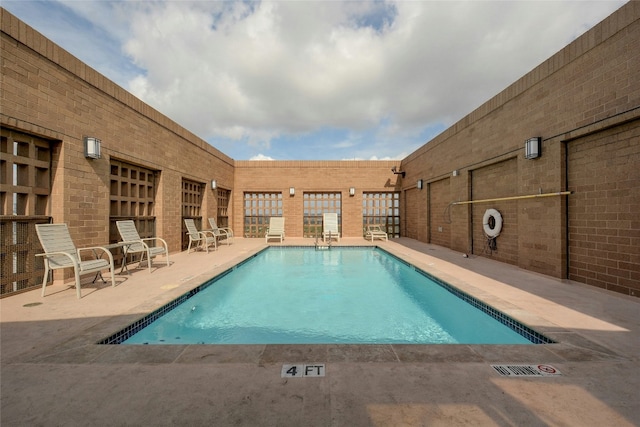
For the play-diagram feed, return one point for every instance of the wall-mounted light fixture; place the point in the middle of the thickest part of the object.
(292, 191)
(352, 191)
(455, 173)
(91, 147)
(419, 184)
(397, 172)
(214, 184)
(532, 147)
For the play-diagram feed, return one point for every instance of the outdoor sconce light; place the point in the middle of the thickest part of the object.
(292, 191)
(396, 172)
(91, 147)
(532, 147)
(214, 184)
(419, 184)
(352, 191)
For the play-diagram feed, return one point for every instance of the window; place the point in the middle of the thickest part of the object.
(25, 186)
(223, 207)
(258, 208)
(25, 172)
(132, 196)
(315, 204)
(382, 209)
(191, 206)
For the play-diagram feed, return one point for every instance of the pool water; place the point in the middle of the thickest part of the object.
(342, 295)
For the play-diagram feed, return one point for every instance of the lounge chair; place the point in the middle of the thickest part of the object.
(375, 232)
(222, 233)
(330, 227)
(134, 244)
(276, 229)
(60, 252)
(202, 238)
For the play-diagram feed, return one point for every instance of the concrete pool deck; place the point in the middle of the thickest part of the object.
(53, 373)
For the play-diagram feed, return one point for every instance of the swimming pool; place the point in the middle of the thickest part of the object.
(300, 295)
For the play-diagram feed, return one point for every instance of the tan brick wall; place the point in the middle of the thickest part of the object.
(312, 176)
(583, 91)
(604, 226)
(414, 213)
(585, 88)
(439, 224)
(497, 180)
(49, 93)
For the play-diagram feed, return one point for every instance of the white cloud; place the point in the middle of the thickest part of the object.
(261, 157)
(257, 70)
(383, 73)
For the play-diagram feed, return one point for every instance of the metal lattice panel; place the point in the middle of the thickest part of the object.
(383, 209)
(258, 208)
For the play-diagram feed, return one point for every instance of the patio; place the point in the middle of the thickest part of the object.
(53, 373)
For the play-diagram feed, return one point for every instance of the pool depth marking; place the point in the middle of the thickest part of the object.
(300, 371)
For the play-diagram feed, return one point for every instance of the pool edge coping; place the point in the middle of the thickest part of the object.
(568, 346)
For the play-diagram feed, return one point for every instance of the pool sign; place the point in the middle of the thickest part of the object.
(299, 371)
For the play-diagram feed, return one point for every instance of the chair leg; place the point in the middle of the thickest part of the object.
(113, 272)
(77, 274)
(46, 276)
(148, 260)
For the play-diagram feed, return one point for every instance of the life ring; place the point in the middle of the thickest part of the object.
(492, 216)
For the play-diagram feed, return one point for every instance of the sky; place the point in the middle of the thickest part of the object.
(313, 80)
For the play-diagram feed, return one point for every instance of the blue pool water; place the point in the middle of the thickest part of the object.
(342, 295)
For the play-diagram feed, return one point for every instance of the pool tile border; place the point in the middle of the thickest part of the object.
(513, 324)
(527, 332)
(130, 330)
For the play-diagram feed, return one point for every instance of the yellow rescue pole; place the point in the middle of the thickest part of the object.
(530, 196)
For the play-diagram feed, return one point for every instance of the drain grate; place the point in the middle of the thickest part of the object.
(526, 370)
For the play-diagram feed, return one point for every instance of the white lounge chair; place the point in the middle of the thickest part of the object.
(330, 227)
(276, 229)
(202, 238)
(60, 252)
(375, 232)
(222, 233)
(134, 244)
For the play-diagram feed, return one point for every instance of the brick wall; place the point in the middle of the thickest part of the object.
(315, 176)
(49, 93)
(576, 97)
(413, 217)
(604, 227)
(588, 87)
(498, 180)
(439, 225)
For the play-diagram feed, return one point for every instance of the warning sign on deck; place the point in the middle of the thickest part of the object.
(526, 370)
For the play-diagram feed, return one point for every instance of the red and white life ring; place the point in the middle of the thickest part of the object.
(492, 223)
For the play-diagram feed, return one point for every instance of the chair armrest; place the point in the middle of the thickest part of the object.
(148, 239)
(49, 254)
(129, 242)
(94, 248)
(67, 254)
